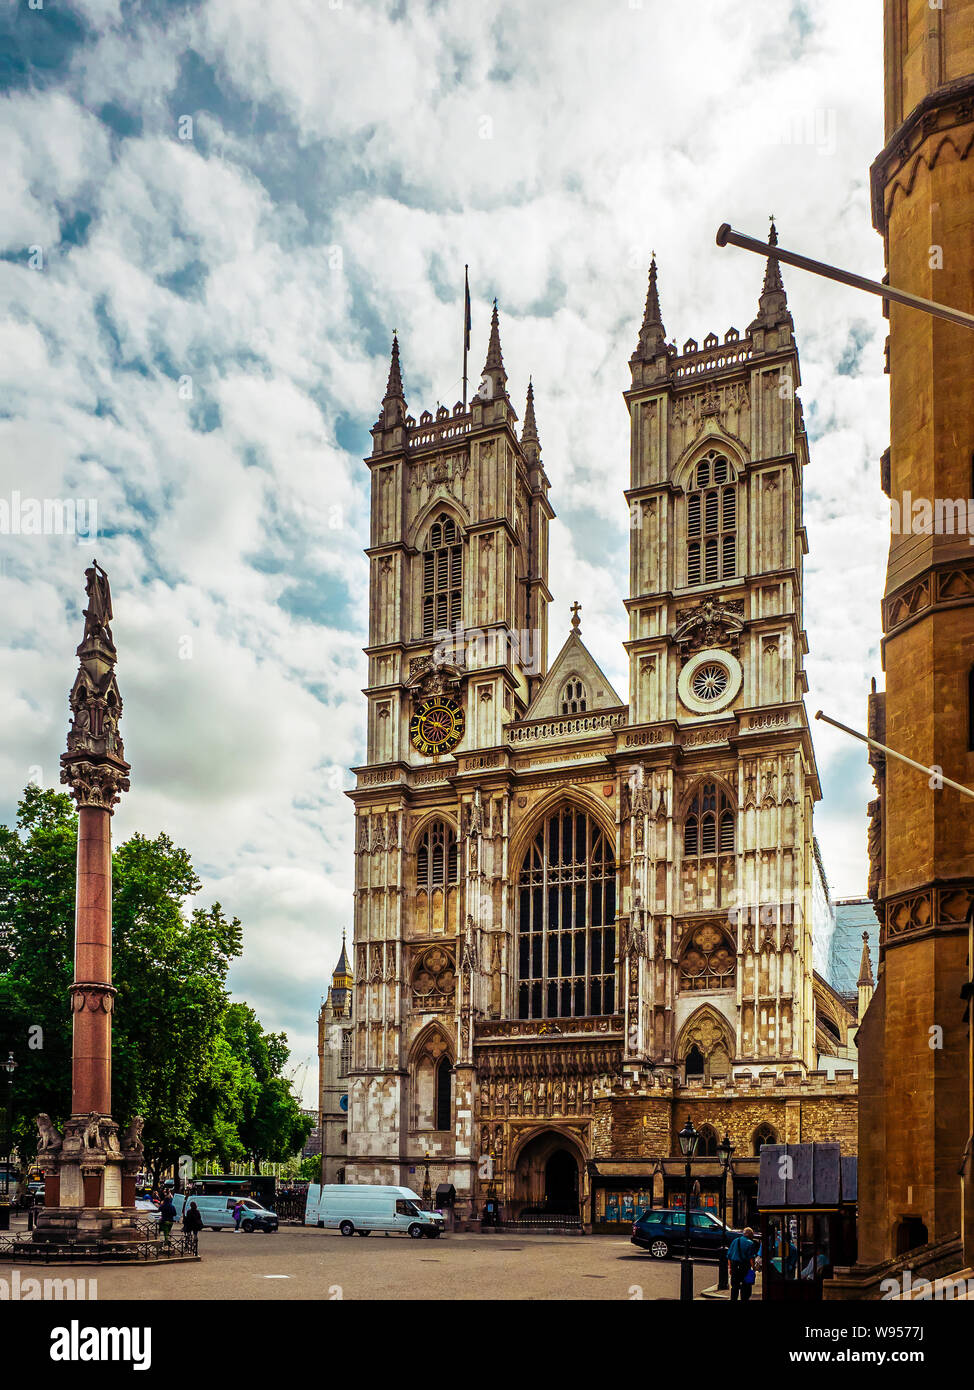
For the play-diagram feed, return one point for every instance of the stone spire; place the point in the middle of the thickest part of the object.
(494, 366)
(865, 982)
(342, 974)
(393, 402)
(340, 993)
(652, 335)
(773, 303)
(530, 442)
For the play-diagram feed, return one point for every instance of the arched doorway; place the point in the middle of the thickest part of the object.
(548, 1178)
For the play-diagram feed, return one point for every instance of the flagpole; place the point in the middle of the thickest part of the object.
(466, 331)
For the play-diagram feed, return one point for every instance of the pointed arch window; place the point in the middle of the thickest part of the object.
(707, 1142)
(712, 522)
(443, 1105)
(764, 1134)
(710, 825)
(442, 577)
(436, 858)
(574, 699)
(566, 920)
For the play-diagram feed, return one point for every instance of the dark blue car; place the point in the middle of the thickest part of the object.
(663, 1233)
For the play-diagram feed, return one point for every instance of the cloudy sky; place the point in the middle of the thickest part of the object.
(216, 211)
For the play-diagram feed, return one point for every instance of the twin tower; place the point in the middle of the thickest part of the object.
(557, 887)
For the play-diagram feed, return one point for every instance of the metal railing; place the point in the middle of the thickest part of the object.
(144, 1250)
(543, 1223)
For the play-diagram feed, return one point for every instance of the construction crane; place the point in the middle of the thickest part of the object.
(297, 1077)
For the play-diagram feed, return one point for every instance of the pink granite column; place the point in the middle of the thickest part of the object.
(92, 993)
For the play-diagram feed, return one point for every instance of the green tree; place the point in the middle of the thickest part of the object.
(37, 880)
(199, 1069)
(309, 1169)
(271, 1126)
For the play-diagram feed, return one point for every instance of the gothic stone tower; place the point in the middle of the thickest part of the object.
(334, 1061)
(457, 647)
(717, 816)
(915, 1120)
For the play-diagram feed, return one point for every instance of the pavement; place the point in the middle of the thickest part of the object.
(302, 1262)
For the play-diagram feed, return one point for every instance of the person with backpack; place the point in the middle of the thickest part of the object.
(192, 1225)
(740, 1260)
(238, 1212)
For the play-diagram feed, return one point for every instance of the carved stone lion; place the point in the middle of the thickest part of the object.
(132, 1138)
(50, 1139)
(91, 1134)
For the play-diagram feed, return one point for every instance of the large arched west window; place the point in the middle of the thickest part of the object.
(566, 920)
(442, 576)
(711, 521)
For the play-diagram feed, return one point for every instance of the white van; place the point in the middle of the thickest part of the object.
(217, 1212)
(359, 1208)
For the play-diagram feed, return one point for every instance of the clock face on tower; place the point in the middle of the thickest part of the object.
(437, 725)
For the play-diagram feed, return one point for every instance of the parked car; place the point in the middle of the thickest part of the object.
(662, 1231)
(360, 1208)
(217, 1212)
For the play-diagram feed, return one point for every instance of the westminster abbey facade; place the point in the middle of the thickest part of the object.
(581, 915)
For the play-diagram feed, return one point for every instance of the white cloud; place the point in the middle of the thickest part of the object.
(552, 147)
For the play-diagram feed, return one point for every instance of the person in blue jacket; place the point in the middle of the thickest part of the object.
(740, 1260)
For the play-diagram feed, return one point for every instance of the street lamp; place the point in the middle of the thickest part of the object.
(725, 1151)
(427, 1187)
(9, 1066)
(689, 1139)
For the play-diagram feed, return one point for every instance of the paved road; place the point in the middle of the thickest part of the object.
(305, 1263)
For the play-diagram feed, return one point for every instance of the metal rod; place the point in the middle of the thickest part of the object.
(874, 743)
(726, 233)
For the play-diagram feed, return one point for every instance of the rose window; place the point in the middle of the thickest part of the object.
(709, 682)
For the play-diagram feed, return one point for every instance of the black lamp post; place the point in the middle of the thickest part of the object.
(427, 1187)
(725, 1151)
(9, 1066)
(688, 1138)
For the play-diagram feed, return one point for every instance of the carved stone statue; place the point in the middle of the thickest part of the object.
(49, 1138)
(98, 614)
(132, 1138)
(91, 1134)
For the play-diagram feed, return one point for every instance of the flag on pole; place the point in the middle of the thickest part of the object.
(467, 324)
(467, 319)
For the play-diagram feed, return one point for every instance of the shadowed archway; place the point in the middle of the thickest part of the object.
(548, 1177)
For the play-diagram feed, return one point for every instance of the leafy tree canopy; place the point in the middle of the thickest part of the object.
(200, 1070)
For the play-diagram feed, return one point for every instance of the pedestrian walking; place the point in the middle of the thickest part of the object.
(238, 1212)
(192, 1225)
(167, 1215)
(740, 1261)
